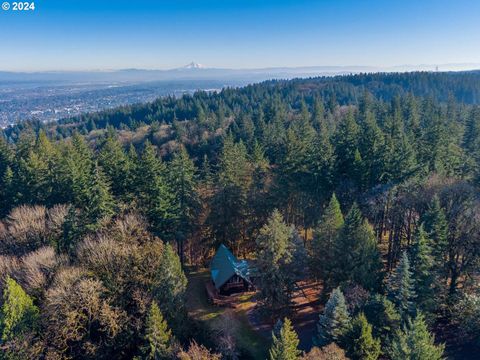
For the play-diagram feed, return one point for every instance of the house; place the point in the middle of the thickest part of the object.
(229, 274)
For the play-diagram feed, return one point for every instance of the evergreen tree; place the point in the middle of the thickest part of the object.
(18, 313)
(471, 142)
(318, 118)
(6, 155)
(115, 163)
(356, 254)
(75, 170)
(157, 335)
(401, 287)
(6, 178)
(415, 342)
(358, 170)
(38, 172)
(292, 181)
(285, 344)
(346, 143)
(334, 323)
(401, 162)
(372, 148)
(182, 182)
(100, 203)
(169, 289)
(133, 162)
(321, 167)
(259, 202)
(7, 195)
(361, 344)
(412, 119)
(434, 138)
(229, 217)
(273, 254)
(323, 244)
(423, 275)
(72, 230)
(436, 226)
(383, 316)
(154, 193)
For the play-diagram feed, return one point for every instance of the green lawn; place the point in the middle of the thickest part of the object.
(250, 343)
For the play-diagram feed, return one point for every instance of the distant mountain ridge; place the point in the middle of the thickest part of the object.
(196, 71)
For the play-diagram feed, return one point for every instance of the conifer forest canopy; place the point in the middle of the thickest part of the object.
(366, 186)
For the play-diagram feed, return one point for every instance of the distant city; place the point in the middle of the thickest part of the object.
(46, 103)
(50, 96)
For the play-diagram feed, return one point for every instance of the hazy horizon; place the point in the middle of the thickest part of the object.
(374, 68)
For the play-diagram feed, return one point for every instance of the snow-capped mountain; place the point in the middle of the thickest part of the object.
(193, 65)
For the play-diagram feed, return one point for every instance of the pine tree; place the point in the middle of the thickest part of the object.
(157, 335)
(98, 201)
(18, 313)
(75, 169)
(182, 182)
(321, 167)
(229, 217)
(436, 226)
(323, 244)
(361, 344)
(6, 155)
(169, 289)
(358, 170)
(415, 342)
(412, 119)
(72, 230)
(401, 162)
(25, 143)
(133, 162)
(154, 193)
(318, 118)
(346, 143)
(401, 287)
(115, 163)
(285, 344)
(6, 178)
(273, 254)
(471, 142)
(38, 172)
(7, 195)
(423, 275)
(434, 138)
(372, 148)
(383, 316)
(258, 201)
(356, 254)
(291, 175)
(334, 323)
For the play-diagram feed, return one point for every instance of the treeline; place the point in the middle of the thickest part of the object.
(461, 87)
(373, 187)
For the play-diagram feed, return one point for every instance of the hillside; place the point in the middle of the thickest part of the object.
(366, 186)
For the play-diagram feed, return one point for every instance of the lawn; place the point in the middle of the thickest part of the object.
(252, 344)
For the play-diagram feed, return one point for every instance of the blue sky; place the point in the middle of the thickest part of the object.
(88, 34)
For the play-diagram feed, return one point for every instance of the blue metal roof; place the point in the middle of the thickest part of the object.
(224, 265)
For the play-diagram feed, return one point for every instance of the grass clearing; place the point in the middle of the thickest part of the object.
(252, 344)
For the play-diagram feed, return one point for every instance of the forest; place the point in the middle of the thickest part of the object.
(366, 185)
